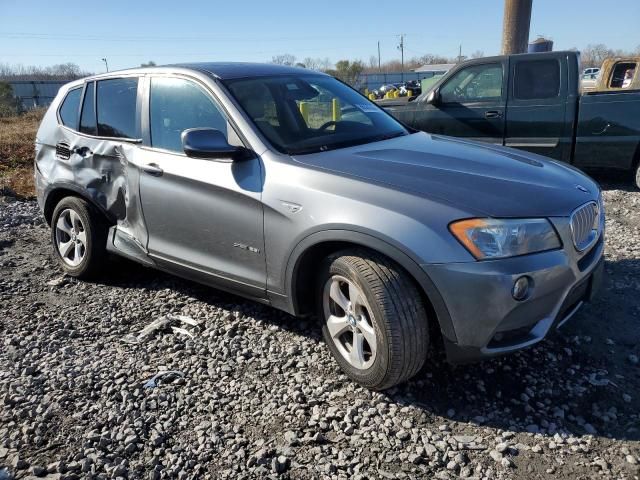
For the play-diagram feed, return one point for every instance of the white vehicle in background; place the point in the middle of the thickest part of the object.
(589, 79)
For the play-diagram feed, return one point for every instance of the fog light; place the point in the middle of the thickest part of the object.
(521, 288)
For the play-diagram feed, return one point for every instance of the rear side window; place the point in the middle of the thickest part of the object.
(537, 79)
(70, 107)
(88, 116)
(176, 105)
(116, 105)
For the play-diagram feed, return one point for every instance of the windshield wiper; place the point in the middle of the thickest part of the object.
(387, 136)
(347, 143)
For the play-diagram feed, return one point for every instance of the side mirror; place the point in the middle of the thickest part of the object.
(433, 97)
(211, 143)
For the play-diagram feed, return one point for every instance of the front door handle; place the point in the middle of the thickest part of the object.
(493, 114)
(153, 169)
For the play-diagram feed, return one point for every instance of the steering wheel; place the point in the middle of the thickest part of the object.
(326, 125)
(458, 92)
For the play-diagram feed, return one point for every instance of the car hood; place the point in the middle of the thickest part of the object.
(479, 178)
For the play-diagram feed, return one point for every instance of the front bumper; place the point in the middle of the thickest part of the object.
(486, 319)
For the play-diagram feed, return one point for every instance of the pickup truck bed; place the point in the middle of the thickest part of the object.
(608, 130)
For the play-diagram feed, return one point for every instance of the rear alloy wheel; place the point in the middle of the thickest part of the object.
(71, 237)
(374, 321)
(79, 237)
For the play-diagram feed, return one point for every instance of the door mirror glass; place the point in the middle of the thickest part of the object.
(211, 143)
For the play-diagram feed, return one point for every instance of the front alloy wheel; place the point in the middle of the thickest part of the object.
(374, 320)
(349, 322)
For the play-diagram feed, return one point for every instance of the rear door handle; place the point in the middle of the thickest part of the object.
(493, 114)
(152, 169)
(83, 151)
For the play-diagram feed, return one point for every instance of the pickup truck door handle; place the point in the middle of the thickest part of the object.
(493, 114)
(602, 130)
(152, 169)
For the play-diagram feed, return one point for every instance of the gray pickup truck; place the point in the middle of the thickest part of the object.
(533, 102)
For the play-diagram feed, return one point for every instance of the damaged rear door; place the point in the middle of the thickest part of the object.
(204, 217)
(96, 151)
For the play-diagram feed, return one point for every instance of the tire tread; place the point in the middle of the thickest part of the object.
(405, 320)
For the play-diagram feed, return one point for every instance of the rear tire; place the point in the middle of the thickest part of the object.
(374, 320)
(638, 176)
(79, 237)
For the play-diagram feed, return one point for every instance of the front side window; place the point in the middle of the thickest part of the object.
(116, 105)
(311, 113)
(175, 105)
(537, 79)
(477, 83)
(69, 108)
(88, 116)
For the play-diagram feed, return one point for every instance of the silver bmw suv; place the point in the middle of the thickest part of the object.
(288, 187)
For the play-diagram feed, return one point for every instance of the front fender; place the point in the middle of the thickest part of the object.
(405, 259)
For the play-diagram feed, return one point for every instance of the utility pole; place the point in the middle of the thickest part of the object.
(460, 53)
(401, 48)
(515, 26)
(379, 64)
(106, 64)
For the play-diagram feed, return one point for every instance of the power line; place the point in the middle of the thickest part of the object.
(168, 38)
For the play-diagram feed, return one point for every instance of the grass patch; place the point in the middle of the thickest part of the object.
(17, 139)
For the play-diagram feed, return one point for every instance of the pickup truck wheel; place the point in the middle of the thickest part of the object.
(374, 321)
(79, 237)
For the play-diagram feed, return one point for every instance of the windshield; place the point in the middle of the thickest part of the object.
(312, 113)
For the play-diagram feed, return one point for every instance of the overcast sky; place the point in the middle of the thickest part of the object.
(127, 33)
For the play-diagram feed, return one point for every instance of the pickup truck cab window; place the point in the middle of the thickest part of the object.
(177, 104)
(622, 75)
(474, 84)
(69, 109)
(537, 79)
(116, 105)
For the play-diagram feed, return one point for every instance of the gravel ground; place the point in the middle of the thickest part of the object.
(259, 396)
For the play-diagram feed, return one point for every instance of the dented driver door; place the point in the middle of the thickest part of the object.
(203, 217)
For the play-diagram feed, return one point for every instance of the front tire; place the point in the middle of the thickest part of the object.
(374, 320)
(79, 237)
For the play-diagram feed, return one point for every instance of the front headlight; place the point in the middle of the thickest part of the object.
(488, 238)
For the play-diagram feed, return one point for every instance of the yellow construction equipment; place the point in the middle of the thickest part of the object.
(336, 113)
(304, 111)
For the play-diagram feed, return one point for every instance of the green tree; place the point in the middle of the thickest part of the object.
(150, 63)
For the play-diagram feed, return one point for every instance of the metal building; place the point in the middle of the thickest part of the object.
(35, 93)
